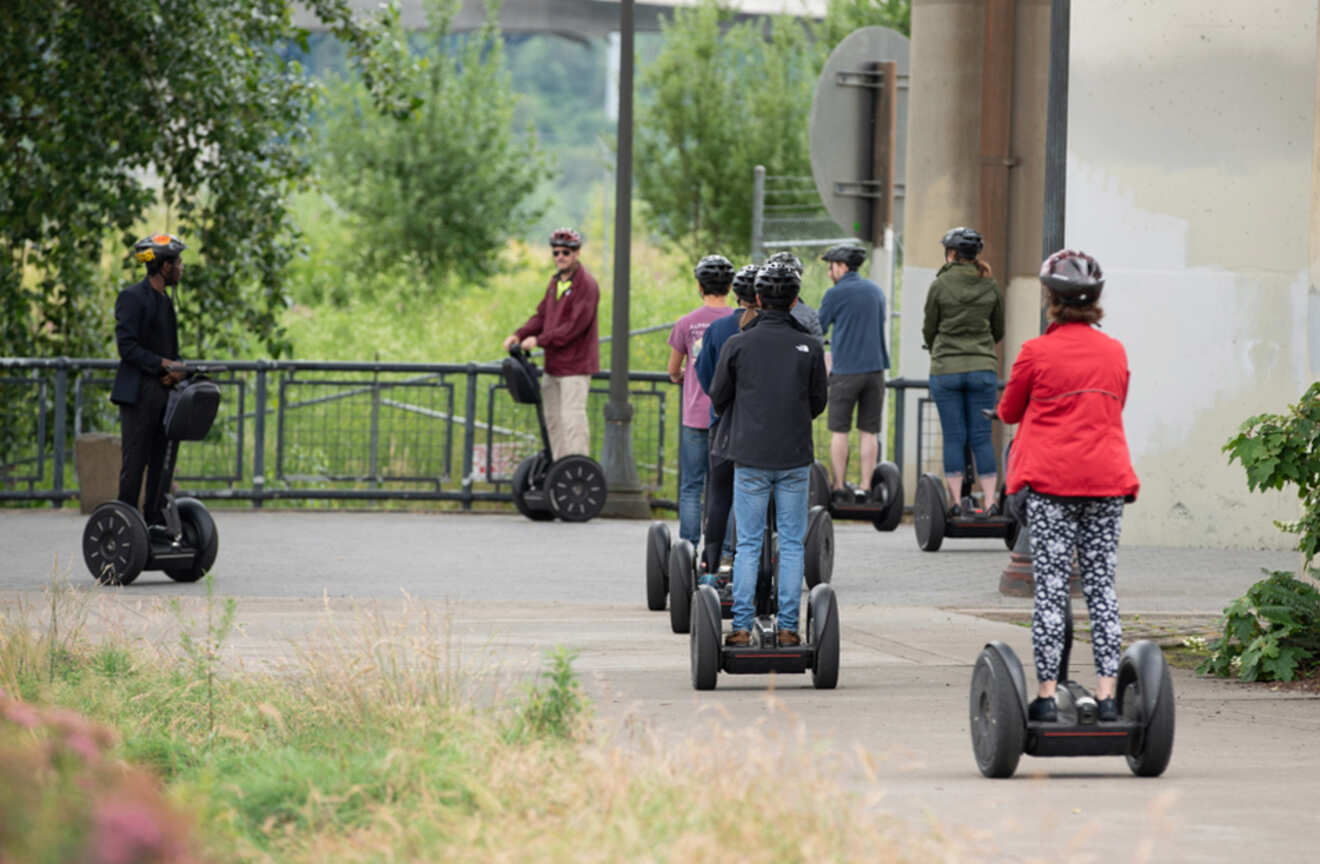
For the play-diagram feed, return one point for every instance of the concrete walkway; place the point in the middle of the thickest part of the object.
(503, 590)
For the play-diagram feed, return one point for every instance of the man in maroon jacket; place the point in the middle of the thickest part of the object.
(565, 326)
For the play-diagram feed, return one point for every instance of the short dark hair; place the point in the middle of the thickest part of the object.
(157, 264)
(783, 304)
(714, 290)
(1065, 314)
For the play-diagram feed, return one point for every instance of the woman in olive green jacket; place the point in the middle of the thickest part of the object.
(964, 321)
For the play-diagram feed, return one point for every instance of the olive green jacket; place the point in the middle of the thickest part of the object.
(964, 320)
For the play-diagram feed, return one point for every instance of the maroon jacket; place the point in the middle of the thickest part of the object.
(1068, 388)
(566, 326)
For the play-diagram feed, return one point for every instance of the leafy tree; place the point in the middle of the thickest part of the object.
(722, 97)
(443, 186)
(112, 108)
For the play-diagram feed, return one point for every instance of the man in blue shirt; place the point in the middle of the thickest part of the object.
(855, 308)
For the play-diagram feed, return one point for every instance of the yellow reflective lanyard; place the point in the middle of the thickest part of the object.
(563, 288)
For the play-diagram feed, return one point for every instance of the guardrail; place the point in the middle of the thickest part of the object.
(300, 430)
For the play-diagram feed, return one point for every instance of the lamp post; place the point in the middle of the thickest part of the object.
(625, 498)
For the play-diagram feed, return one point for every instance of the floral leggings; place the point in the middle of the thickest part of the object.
(1058, 527)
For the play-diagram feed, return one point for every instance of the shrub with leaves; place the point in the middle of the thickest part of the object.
(1273, 631)
(1270, 633)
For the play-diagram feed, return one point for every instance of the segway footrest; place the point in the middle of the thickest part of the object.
(762, 661)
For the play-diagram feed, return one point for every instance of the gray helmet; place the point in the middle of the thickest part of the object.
(787, 258)
(744, 283)
(1074, 277)
(778, 281)
(966, 242)
(157, 246)
(849, 254)
(714, 271)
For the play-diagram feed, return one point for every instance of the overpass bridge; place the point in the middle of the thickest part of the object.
(574, 19)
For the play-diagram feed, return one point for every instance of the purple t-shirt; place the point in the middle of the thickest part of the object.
(686, 337)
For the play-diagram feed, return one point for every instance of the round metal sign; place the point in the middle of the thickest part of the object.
(841, 121)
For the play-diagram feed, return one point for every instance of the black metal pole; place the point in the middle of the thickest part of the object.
(1056, 136)
(625, 496)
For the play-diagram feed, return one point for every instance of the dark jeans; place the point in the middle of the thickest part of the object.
(960, 398)
(719, 509)
(143, 442)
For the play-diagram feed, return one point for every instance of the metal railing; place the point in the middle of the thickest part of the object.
(295, 430)
(320, 430)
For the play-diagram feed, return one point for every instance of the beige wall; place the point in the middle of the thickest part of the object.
(1191, 130)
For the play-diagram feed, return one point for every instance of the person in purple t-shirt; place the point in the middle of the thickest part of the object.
(714, 274)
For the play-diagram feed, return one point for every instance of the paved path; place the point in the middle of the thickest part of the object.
(1245, 769)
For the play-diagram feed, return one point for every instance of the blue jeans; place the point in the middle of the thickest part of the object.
(752, 488)
(693, 456)
(960, 397)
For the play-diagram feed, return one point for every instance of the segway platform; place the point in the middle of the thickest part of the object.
(117, 542)
(1001, 732)
(572, 487)
(882, 506)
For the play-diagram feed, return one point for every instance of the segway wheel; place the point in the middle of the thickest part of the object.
(115, 543)
(823, 630)
(522, 483)
(1011, 534)
(818, 550)
(704, 641)
(200, 533)
(888, 478)
(928, 511)
(575, 486)
(1150, 752)
(818, 491)
(657, 566)
(767, 568)
(998, 728)
(681, 584)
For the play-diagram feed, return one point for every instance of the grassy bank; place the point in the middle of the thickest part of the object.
(374, 746)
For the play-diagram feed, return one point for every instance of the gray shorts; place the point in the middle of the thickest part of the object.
(866, 390)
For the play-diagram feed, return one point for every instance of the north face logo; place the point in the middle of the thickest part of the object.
(803, 348)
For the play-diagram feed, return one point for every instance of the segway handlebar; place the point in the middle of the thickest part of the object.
(193, 367)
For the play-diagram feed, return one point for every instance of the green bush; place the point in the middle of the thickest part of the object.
(1272, 632)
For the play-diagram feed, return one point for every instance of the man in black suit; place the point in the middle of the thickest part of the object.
(147, 334)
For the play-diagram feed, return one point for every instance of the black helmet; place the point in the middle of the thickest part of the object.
(566, 237)
(1074, 277)
(778, 282)
(157, 246)
(849, 254)
(714, 271)
(966, 242)
(744, 283)
(786, 257)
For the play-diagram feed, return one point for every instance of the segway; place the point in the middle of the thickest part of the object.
(117, 542)
(882, 506)
(1001, 732)
(931, 510)
(682, 570)
(572, 487)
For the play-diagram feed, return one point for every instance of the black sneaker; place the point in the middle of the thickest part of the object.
(841, 496)
(1043, 711)
(1108, 710)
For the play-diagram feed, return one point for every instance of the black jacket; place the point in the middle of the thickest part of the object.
(141, 345)
(769, 384)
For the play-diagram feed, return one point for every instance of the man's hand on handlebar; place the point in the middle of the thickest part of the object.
(529, 344)
(510, 342)
(172, 372)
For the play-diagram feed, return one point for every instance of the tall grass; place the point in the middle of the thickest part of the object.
(373, 742)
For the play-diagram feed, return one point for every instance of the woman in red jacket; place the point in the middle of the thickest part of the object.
(1067, 390)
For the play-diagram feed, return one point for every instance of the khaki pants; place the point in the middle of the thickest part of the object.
(565, 399)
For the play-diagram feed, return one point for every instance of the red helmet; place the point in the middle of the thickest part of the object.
(566, 237)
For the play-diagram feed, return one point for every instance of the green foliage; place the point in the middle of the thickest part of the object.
(442, 188)
(204, 654)
(721, 98)
(1270, 633)
(1282, 449)
(552, 707)
(115, 106)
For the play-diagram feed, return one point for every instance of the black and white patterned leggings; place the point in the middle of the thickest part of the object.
(1091, 527)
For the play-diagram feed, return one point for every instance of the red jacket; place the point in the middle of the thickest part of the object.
(1067, 389)
(565, 326)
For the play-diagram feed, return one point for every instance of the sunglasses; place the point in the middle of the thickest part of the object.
(562, 253)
